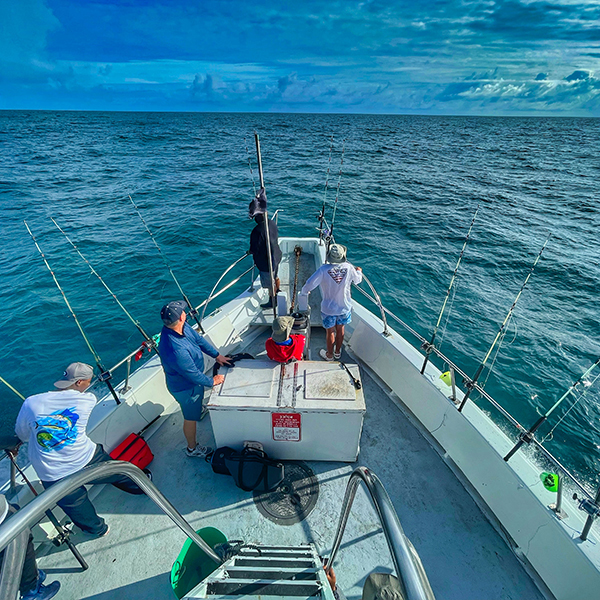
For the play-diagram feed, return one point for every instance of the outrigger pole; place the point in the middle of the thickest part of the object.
(193, 311)
(471, 384)
(149, 343)
(104, 375)
(429, 347)
(321, 216)
(337, 192)
(266, 221)
(527, 436)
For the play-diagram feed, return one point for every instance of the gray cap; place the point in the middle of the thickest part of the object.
(382, 586)
(75, 372)
(281, 328)
(336, 254)
(171, 312)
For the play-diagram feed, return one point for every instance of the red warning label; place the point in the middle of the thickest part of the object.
(286, 427)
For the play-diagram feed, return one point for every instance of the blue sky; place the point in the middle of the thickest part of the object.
(374, 56)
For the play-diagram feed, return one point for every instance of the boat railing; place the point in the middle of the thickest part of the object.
(468, 381)
(407, 563)
(212, 292)
(136, 354)
(29, 515)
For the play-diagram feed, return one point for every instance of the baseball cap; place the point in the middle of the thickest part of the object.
(171, 312)
(75, 372)
(281, 328)
(336, 254)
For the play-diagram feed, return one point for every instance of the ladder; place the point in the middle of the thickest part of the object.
(273, 571)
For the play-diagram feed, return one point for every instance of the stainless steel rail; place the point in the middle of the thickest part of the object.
(407, 563)
(485, 395)
(36, 509)
(379, 304)
(210, 296)
(12, 566)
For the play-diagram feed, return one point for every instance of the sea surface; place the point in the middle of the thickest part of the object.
(408, 190)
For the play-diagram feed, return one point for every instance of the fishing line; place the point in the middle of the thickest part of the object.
(105, 375)
(193, 311)
(250, 165)
(443, 333)
(429, 347)
(471, 384)
(337, 192)
(150, 343)
(10, 387)
(498, 347)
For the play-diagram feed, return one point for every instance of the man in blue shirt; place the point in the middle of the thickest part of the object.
(181, 351)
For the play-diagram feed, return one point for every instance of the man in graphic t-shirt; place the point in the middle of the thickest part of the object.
(54, 425)
(334, 278)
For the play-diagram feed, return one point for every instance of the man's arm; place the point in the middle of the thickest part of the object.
(21, 426)
(313, 281)
(357, 275)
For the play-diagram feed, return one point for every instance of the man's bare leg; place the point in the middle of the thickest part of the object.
(189, 430)
(330, 336)
(339, 338)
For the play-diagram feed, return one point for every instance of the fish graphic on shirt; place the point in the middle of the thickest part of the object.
(337, 274)
(57, 430)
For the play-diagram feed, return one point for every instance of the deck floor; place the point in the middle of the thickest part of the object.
(463, 555)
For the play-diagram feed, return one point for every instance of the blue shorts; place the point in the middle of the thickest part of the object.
(190, 402)
(332, 321)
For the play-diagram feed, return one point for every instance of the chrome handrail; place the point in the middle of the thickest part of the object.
(275, 216)
(407, 563)
(210, 296)
(379, 304)
(487, 397)
(36, 509)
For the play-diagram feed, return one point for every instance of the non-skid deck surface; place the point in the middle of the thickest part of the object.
(464, 557)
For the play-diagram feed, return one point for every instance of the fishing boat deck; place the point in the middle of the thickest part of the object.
(465, 558)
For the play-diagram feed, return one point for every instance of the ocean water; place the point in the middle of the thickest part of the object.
(408, 190)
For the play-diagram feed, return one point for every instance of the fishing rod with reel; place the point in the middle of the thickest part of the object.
(429, 347)
(330, 237)
(527, 437)
(471, 383)
(149, 342)
(192, 310)
(321, 215)
(105, 375)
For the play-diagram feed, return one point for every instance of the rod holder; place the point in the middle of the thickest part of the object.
(557, 508)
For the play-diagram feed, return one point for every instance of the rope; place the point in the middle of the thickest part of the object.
(250, 165)
(297, 252)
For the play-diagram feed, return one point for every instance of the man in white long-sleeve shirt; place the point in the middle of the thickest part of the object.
(334, 278)
(54, 425)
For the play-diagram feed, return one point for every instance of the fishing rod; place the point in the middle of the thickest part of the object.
(149, 343)
(527, 436)
(337, 192)
(429, 347)
(104, 375)
(10, 387)
(471, 384)
(193, 311)
(63, 533)
(250, 166)
(321, 216)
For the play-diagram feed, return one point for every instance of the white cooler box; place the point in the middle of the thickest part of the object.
(300, 411)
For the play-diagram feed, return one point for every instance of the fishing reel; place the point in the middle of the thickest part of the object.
(588, 506)
(146, 345)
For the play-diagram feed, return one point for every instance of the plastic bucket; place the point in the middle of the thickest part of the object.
(192, 565)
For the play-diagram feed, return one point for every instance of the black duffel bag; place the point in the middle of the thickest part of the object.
(251, 468)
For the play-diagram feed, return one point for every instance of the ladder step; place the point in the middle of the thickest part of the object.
(288, 563)
(283, 553)
(271, 573)
(264, 587)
